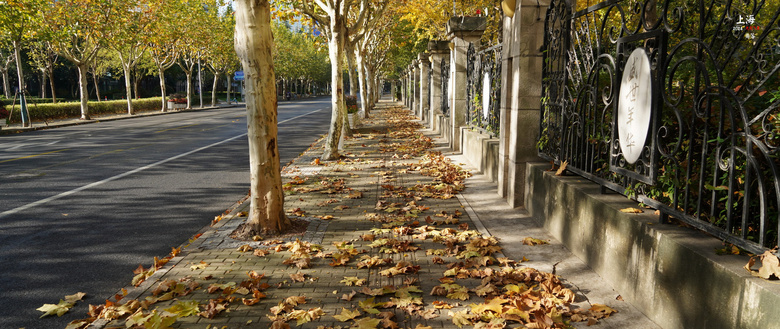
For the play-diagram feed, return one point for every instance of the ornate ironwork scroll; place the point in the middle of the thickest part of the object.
(711, 158)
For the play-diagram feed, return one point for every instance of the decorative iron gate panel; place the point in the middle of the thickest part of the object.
(711, 155)
(483, 88)
(445, 90)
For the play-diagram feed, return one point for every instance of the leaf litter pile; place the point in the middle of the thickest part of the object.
(416, 267)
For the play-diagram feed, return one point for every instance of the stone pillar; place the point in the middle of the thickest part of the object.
(409, 88)
(402, 84)
(425, 85)
(392, 90)
(403, 88)
(415, 78)
(462, 31)
(521, 93)
(439, 51)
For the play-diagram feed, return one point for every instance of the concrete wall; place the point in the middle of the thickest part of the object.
(445, 127)
(670, 273)
(481, 151)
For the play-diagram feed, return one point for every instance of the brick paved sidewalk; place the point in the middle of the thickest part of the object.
(373, 206)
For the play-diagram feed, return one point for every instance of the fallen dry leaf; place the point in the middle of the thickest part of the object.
(245, 248)
(632, 210)
(348, 297)
(75, 297)
(346, 315)
(562, 168)
(59, 309)
(298, 277)
(529, 241)
(770, 266)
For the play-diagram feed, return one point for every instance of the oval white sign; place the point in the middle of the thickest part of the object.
(485, 95)
(635, 105)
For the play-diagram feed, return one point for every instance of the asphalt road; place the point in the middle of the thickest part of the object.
(82, 206)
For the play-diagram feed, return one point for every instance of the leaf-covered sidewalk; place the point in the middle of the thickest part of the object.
(388, 245)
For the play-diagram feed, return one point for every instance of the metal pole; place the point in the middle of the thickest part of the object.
(23, 108)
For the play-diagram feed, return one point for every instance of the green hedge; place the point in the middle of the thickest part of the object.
(30, 100)
(48, 112)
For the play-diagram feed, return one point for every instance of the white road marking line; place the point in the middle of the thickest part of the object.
(302, 115)
(128, 173)
(98, 183)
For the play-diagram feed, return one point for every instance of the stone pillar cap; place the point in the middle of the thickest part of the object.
(422, 58)
(439, 47)
(466, 27)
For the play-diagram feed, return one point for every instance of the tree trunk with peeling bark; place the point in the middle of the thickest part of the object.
(364, 96)
(254, 43)
(336, 53)
(51, 84)
(128, 88)
(161, 73)
(214, 90)
(83, 93)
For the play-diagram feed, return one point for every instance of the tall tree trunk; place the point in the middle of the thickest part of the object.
(336, 53)
(189, 89)
(128, 89)
(51, 82)
(6, 87)
(161, 73)
(362, 77)
(43, 83)
(349, 50)
(253, 43)
(229, 85)
(200, 82)
(96, 82)
(214, 91)
(83, 93)
(17, 46)
(136, 83)
(370, 86)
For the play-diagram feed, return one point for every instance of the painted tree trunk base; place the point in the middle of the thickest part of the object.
(330, 155)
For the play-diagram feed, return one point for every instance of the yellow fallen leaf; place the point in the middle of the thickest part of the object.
(632, 210)
(346, 315)
(59, 309)
(75, 297)
(770, 266)
(533, 241)
(562, 168)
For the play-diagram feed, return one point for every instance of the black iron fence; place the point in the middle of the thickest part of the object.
(483, 89)
(709, 156)
(445, 90)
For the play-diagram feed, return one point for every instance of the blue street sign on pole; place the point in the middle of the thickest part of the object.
(239, 76)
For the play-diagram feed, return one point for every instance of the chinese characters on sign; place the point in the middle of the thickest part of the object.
(634, 105)
(747, 23)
